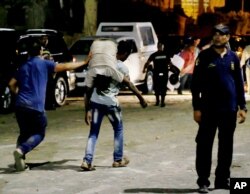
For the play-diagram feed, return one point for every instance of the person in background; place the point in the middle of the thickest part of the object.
(197, 50)
(47, 55)
(161, 63)
(50, 103)
(217, 95)
(188, 54)
(243, 62)
(29, 85)
(100, 100)
(44, 40)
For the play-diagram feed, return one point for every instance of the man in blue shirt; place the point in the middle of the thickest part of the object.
(29, 85)
(218, 94)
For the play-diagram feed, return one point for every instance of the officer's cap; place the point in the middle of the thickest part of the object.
(222, 29)
(188, 40)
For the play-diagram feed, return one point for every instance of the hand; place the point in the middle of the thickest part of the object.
(88, 117)
(88, 58)
(197, 116)
(242, 116)
(143, 103)
(145, 67)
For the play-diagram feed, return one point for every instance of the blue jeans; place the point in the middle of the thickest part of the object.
(115, 117)
(185, 80)
(32, 125)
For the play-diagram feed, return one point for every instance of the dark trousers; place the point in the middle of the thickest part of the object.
(32, 125)
(185, 82)
(226, 124)
(160, 86)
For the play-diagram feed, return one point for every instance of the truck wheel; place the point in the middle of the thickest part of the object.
(148, 83)
(60, 91)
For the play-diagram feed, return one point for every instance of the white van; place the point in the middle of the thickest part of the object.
(146, 42)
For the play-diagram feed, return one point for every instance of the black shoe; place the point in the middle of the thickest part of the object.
(162, 104)
(203, 189)
(157, 104)
(179, 92)
(222, 186)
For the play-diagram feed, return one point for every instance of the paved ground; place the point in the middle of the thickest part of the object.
(158, 141)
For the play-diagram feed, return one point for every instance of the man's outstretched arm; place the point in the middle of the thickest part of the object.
(133, 88)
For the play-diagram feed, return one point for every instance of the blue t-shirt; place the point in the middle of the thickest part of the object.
(32, 79)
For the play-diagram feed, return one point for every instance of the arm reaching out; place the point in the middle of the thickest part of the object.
(132, 87)
(72, 65)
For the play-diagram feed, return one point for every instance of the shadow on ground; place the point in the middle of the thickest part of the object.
(55, 165)
(160, 190)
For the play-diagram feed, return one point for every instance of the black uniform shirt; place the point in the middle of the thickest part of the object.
(161, 61)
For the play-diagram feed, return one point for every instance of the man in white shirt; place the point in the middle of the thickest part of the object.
(102, 86)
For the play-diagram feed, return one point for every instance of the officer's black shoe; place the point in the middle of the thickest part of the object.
(162, 104)
(225, 184)
(222, 186)
(203, 189)
(179, 92)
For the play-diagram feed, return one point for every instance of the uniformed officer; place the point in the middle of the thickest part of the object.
(161, 63)
(218, 94)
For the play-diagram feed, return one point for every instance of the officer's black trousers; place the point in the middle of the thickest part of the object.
(160, 84)
(225, 122)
